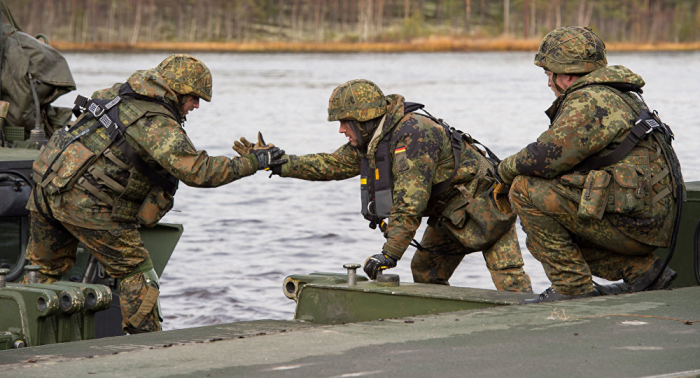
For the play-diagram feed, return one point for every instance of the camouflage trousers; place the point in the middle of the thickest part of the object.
(444, 247)
(119, 251)
(572, 249)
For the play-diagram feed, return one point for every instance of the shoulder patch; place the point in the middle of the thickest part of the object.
(401, 159)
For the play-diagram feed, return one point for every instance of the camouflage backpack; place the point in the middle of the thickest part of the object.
(34, 75)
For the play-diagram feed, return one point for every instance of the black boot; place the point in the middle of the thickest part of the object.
(551, 295)
(612, 289)
(664, 282)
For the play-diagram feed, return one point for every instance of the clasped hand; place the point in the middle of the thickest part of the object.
(268, 155)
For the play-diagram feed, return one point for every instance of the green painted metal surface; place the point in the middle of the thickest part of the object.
(25, 315)
(160, 241)
(328, 299)
(685, 260)
(634, 335)
(40, 314)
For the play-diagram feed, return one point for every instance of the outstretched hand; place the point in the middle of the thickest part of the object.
(269, 157)
(245, 147)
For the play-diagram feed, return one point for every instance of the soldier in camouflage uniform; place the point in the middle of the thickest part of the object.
(88, 190)
(604, 221)
(410, 154)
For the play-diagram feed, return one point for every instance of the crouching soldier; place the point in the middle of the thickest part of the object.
(597, 192)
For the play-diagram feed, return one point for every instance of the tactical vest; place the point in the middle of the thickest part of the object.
(71, 157)
(629, 180)
(376, 186)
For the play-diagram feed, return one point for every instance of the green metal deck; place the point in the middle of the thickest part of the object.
(633, 335)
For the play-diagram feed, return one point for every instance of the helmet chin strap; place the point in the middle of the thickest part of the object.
(364, 130)
(554, 80)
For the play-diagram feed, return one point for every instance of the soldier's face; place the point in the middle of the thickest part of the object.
(550, 82)
(190, 104)
(347, 130)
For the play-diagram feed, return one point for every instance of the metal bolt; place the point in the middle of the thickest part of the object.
(352, 273)
(3, 272)
(33, 273)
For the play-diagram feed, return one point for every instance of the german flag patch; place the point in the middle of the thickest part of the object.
(401, 159)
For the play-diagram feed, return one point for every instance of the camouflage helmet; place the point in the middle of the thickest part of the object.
(186, 75)
(571, 50)
(359, 100)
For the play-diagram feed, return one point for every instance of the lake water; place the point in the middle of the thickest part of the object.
(243, 239)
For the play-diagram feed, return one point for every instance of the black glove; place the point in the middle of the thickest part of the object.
(277, 169)
(378, 262)
(269, 157)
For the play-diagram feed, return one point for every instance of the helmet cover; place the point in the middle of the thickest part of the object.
(186, 75)
(571, 50)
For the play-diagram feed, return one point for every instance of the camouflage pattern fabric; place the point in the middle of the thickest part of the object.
(444, 247)
(161, 142)
(591, 120)
(118, 251)
(422, 157)
(572, 249)
(571, 50)
(360, 100)
(186, 75)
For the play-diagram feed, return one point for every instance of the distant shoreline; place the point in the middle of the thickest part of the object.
(421, 45)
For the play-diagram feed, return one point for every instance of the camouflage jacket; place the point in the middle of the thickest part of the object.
(426, 161)
(162, 143)
(591, 119)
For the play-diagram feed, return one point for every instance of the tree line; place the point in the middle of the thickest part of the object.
(132, 21)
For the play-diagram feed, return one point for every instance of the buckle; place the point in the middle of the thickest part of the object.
(96, 110)
(652, 125)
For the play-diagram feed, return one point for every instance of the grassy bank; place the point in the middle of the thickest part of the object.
(419, 45)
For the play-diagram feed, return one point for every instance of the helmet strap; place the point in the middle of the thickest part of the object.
(554, 80)
(359, 132)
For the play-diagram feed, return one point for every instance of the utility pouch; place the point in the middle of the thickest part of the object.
(66, 165)
(456, 209)
(475, 212)
(594, 197)
(629, 190)
(570, 186)
(157, 203)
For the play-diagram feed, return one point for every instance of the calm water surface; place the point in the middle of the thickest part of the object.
(241, 240)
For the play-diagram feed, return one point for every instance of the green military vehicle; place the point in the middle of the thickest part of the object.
(83, 305)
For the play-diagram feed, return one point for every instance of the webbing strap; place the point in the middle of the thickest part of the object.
(456, 141)
(48, 179)
(108, 115)
(110, 155)
(666, 191)
(85, 184)
(169, 184)
(644, 125)
(636, 134)
(147, 305)
(100, 174)
(656, 178)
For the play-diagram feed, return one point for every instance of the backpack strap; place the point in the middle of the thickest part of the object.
(645, 124)
(455, 140)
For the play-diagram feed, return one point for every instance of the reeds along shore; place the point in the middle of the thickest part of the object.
(352, 25)
(423, 45)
